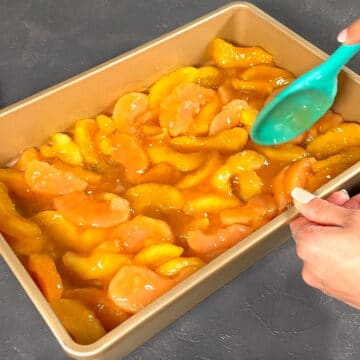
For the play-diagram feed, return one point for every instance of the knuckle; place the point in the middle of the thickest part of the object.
(306, 245)
(308, 277)
(301, 250)
(319, 206)
(351, 218)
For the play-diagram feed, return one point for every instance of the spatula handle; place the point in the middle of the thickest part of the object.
(339, 58)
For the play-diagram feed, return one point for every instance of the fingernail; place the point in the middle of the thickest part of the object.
(342, 36)
(302, 195)
(345, 191)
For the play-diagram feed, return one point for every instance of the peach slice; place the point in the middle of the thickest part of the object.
(97, 301)
(131, 236)
(227, 55)
(210, 77)
(63, 147)
(104, 210)
(247, 160)
(202, 174)
(155, 255)
(127, 151)
(285, 153)
(294, 175)
(78, 320)
(11, 223)
(247, 185)
(164, 86)
(43, 269)
(258, 211)
(46, 179)
(26, 157)
(208, 203)
(335, 140)
(181, 107)
(128, 108)
(134, 287)
(273, 75)
(219, 241)
(229, 117)
(181, 161)
(173, 267)
(96, 266)
(226, 141)
(84, 135)
(154, 196)
(161, 173)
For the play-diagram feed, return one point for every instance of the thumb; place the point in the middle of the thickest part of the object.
(317, 210)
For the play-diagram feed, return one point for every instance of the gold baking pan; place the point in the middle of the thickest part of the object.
(31, 121)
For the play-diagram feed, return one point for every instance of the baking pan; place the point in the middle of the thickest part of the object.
(30, 122)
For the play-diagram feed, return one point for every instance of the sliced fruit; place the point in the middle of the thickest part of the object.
(326, 122)
(335, 140)
(105, 124)
(131, 236)
(284, 153)
(173, 267)
(127, 151)
(347, 158)
(258, 86)
(58, 229)
(168, 82)
(104, 210)
(221, 240)
(181, 161)
(11, 223)
(98, 265)
(78, 320)
(84, 135)
(43, 269)
(208, 203)
(247, 160)
(46, 179)
(227, 55)
(210, 77)
(203, 173)
(62, 147)
(128, 108)
(155, 255)
(154, 196)
(258, 211)
(181, 107)
(15, 181)
(26, 157)
(134, 287)
(104, 309)
(294, 175)
(91, 177)
(229, 117)
(201, 124)
(247, 185)
(226, 141)
(161, 173)
(273, 75)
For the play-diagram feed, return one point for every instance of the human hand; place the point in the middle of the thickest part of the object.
(350, 35)
(327, 239)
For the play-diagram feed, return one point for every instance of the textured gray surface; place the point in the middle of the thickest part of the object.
(265, 313)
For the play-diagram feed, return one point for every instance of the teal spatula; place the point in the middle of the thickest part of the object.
(303, 102)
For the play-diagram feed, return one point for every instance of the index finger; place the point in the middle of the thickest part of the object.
(350, 35)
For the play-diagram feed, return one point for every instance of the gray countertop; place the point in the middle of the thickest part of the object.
(265, 313)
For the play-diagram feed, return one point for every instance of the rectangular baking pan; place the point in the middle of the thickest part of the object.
(31, 121)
